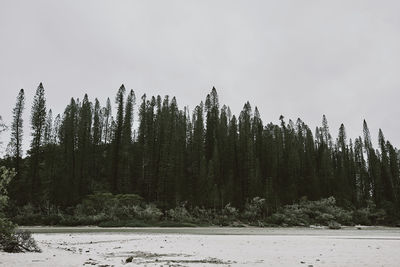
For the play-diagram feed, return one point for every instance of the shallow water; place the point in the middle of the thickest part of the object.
(92, 246)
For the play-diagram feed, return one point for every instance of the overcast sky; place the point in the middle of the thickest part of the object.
(296, 58)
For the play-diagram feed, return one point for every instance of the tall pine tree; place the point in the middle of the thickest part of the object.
(17, 133)
(38, 119)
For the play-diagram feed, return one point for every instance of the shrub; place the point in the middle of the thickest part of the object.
(311, 212)
(254, 209)
(128, 199)
(361, 216)
(369, 215)
(334, 225)
(290, 216)
(203, 215)
(96, 204)
(179, 214)
(11, 240)
(6, 233)
(150, 212)
(29, 215)
(230, 211)
(108, 207)
(20, 241)
(75, 220)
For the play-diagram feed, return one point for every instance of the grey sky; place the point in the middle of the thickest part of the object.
(296, 58)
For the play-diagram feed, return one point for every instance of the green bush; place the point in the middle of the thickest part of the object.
(230, 211)
(96, 204)
(150, 212)
(101, 207)
(128, 199)
(203, 215)
(254, 209)
(6, 232)
(20, 241)
(179, 214)
(306, 212)
(10, 239)
(74, 220)
(369, 215)
(334, 225)
(362, 216)
(290, 216)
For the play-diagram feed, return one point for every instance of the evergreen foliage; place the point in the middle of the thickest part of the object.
(10, 239)
(209, 158)
(15, 145)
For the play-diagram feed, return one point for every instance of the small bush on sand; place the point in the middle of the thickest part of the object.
(254, 209)
(230, 211)
(30, 215)
(369, 215)
(149, 213)
(104, 207)
(10, 239)
(179, 214)
(228, 215)
(97, 203)
(306, 212)
(20, 241)
(203, 215)
(334, 225)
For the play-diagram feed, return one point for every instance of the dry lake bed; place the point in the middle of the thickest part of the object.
(92, 246)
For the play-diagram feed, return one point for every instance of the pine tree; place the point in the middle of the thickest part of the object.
(97, 124)
(223, 178)
(324, 159)
(107, 112)
(84, 147)
(48, 129)
(17, 133)
(97, 134)
(342, 186)
(67, 184)
(127, 142)
(116, 141)
(128, 119)
(386, 175)
(38, 119)
(394, 171)
(212, 118)
(199, 185)
(52, 158)
(56, 130)
(208, 158)
(325, 132)
(374, 170)
(245, 151)
(362, 180)
(3, 126)
(313, 190)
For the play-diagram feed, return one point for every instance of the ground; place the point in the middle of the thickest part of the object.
(92, 246)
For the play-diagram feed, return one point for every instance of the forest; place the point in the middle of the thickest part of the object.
(206, 159)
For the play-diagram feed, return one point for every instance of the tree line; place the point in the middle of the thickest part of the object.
(208, 157)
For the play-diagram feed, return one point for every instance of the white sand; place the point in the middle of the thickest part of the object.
(212, 247)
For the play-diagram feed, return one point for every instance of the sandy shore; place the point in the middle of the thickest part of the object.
(92, 246)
